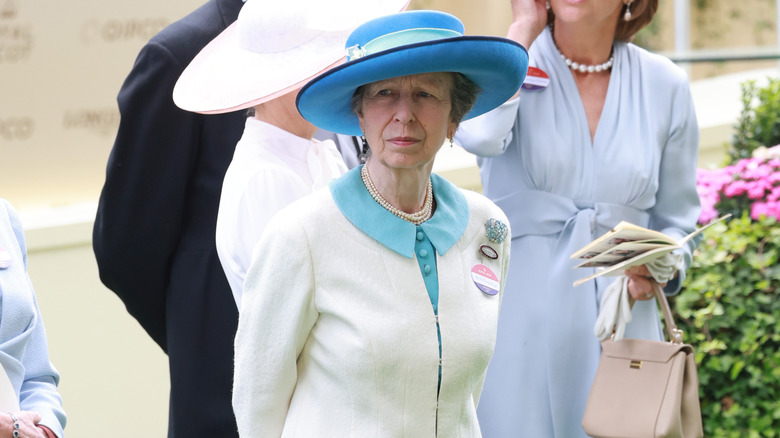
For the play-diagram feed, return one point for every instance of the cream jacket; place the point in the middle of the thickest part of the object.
(332, 349)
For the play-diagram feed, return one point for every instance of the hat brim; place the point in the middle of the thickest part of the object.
(497, 65)
(224, 77)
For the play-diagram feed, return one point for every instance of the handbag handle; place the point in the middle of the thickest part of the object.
(675, 334)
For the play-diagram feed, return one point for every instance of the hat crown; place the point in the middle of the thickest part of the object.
(410, 43)
(274, 26)
(427, 25)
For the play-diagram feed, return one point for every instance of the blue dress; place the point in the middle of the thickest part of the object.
(24, 351)
(560, 190)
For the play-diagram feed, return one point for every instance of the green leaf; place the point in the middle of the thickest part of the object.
(735, 370)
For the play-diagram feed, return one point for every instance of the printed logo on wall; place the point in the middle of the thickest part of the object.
(16, 39)
(8, 9)
(121, 30)
(16, 128)
(101, 121)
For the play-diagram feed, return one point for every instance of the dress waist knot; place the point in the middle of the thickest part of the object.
(536, 212)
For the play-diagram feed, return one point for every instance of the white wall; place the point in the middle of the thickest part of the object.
(113, 377)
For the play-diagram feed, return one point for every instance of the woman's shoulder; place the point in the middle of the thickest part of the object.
(313, 209)
(10, 219)
(482, 208)
(267, 179)
(654, 65)
(485, 218)
(6, 209)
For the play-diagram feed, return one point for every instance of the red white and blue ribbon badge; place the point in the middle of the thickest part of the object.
(485, 279)
(535, 79)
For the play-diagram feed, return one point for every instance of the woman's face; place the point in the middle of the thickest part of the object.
(407, 119)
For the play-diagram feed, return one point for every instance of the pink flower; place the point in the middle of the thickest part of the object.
(751, 183)
(774, 195)
(735, 189)
(759, 209)
(741, 165)
(757, 189)
(774, 209)
(708, 213)
(768, 209)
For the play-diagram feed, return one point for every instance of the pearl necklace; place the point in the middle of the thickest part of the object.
(415, 218)
(583, 68)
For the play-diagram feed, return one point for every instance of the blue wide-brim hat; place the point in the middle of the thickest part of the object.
(408, 43)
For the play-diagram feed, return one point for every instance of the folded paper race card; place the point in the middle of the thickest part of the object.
(628, 245)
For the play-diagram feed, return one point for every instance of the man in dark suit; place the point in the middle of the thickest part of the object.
(154, 231)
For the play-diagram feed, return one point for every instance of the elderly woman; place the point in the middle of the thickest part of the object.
(31, 405)
(370, 307)
(611, 135)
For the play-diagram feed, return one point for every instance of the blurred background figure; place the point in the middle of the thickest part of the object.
(261, 62)
(154, 231)
(605, 132)
(370, 307)
(31, 405)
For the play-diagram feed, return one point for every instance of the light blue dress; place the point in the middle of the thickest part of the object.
(560, 191)
(24, 351)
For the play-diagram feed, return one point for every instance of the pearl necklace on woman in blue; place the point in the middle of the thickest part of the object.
(583, 68)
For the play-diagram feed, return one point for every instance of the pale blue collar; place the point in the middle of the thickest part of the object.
(443, 229)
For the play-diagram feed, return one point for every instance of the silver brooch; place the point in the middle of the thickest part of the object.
(495, 230)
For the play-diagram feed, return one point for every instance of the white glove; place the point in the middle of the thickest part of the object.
(615, 307)
(664, 268)
(614, 310)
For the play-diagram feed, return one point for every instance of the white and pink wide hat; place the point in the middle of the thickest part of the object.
(273, 48)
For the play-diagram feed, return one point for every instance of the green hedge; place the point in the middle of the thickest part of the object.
(759, 120)
(730, 312)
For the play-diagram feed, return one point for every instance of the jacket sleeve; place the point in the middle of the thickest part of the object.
(677, 206)
(491, 133)
(38, 391)
(139, 217)
(276, 317)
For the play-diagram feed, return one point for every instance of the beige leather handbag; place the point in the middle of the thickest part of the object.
(645, 388)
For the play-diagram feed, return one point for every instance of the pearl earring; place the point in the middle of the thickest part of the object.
(627, 15)
(547, 5)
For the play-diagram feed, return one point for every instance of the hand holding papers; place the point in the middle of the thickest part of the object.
(628, 245)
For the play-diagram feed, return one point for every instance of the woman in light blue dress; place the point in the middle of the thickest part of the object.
(30, 404)
(566, 162)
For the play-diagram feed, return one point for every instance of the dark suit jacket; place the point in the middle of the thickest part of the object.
(154, 232)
